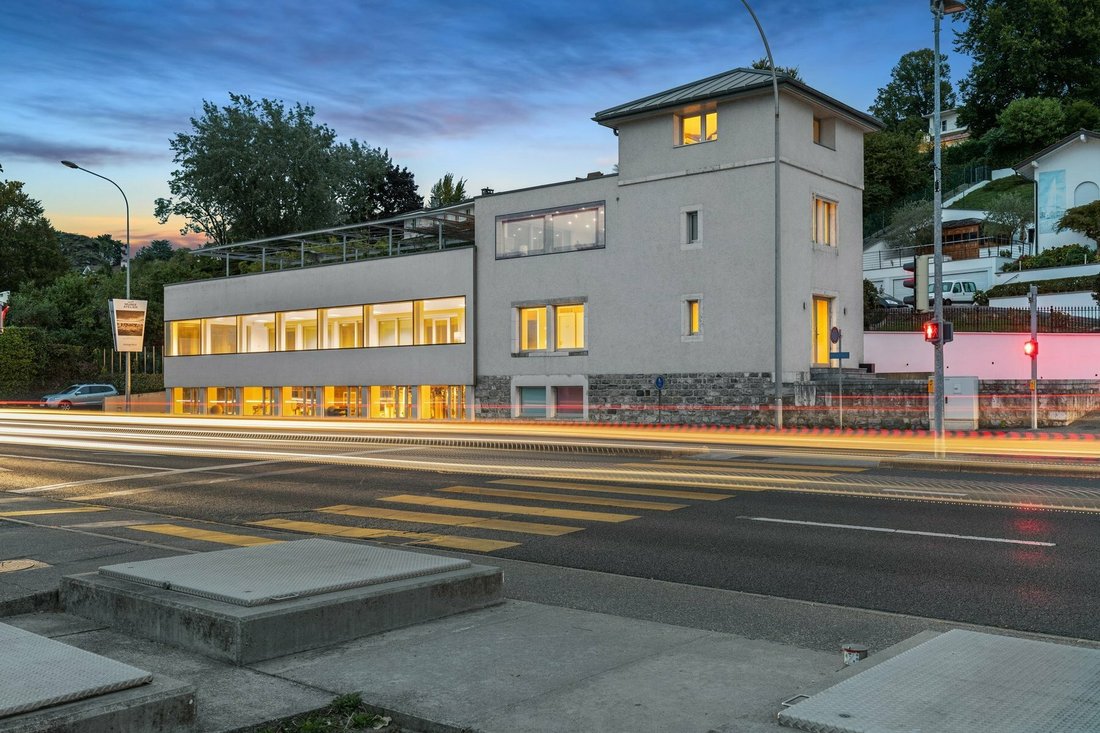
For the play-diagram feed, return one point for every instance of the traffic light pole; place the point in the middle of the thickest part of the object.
(937, 239)
(1033, 297)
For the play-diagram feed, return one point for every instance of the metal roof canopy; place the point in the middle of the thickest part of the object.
(415, 231)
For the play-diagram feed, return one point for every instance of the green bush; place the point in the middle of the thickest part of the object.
(21, 359)
(1069, 254)
(1062, 285)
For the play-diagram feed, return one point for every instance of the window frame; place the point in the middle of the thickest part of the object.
(706, 116)
(832, 233)
(689, 331)
(547, 216)
(549, 342)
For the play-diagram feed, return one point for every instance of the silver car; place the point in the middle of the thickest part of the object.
(79, 395)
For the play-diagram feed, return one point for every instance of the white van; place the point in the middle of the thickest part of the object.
(955, 292)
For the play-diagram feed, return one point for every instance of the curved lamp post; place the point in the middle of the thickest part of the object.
(778, 375)
(71, 164)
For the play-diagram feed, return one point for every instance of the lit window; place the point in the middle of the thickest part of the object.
(442, 321)
(256, 333)
(298, 330)
(220, 335)
(570, 327)
(390, 324)
(343, 327)
(532, 329)
(817, 130)
(693, 327)
(824, 222)
(184, 338)
(566, 229)
(702, 127)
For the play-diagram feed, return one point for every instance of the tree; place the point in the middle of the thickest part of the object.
(1009, 214)
(29, 249)
(911, 225)
(1027, 48)
(158, 249)
(893, 168)
(1080, 114)
(910, 93)
(1084, 219)
(446, 191)
(791, 71)
(1025, 126)
(399, 193)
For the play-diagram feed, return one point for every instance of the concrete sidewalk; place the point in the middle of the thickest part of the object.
(569, 650)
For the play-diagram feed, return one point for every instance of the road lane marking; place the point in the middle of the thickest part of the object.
(605, 489)
(918, 491)
(801, 467)
(488, 506)
(748, 471)
(419, 538)
(564, 498)
(453, 520)
(44, 459)
(206, 535)
(131, 477)
(65, 510)
(861, 528)
(109, 524)
(109, 494)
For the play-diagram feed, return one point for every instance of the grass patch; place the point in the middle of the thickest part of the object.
(979, 200)
(345, 713)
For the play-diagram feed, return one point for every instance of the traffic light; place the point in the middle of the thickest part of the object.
(939, 332)
(1031, 348)
(918, 282)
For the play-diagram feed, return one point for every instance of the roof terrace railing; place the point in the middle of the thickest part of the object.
(962, 249)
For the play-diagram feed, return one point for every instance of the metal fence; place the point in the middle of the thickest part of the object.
(965, 249)
(978, 319)
(149, 361)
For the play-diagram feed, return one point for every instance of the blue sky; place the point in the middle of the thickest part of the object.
(499, 93)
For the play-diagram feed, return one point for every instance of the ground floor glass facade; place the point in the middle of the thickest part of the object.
(389, 401)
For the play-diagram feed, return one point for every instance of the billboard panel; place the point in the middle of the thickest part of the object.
(128, 323)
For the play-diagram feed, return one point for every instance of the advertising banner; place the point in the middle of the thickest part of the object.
(128, 323)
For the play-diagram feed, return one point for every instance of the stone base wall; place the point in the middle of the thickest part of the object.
(746, 399)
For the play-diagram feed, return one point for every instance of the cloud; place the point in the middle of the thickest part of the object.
(33, 149)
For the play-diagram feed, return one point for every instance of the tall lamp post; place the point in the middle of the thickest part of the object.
(71, 164)
(778, 376)
(940, 8)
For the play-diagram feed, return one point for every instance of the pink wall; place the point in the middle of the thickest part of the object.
(987, 355)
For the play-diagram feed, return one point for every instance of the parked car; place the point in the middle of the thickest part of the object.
(888, 301)
(955, 292)
(80, 395)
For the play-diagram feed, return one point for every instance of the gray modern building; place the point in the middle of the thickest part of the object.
(566, 300)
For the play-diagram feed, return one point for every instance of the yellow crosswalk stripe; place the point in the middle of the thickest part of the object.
(487, 506)
(763, 465)
(64, 510)
(736, 470)
(419, 538)
(604, 489)
(206, 535)
(659, 506)
(453, 520)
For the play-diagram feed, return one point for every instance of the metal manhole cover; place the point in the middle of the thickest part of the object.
(10, 566)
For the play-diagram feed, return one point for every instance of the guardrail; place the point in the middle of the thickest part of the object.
(966, 249)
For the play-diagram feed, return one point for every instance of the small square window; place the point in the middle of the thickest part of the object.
(532, 402)
(698, 128)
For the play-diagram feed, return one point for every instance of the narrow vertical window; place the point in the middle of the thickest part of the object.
(693, 318)
(570, 327)
(824, 222)
(532, 329)
(691, 227)
(817, 130)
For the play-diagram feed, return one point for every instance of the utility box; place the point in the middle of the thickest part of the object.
(960, 406)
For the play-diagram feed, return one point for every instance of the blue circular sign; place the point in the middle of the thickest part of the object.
(660, 382)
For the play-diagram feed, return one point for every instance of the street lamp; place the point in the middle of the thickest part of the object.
(778, 376)
(71, 164)
(939, 9)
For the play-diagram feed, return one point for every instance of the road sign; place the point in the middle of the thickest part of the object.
(834, 335)
(659, 382)
(839, 355)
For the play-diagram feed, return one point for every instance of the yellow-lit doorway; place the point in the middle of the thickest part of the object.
(823, 321)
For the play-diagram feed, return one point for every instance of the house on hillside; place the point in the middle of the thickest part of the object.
(951, 131)
(1066, 174)
(565, 300)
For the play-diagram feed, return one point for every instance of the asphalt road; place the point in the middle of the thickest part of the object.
(978, 548)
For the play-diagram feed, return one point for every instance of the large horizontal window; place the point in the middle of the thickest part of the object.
(547, 328)
(404, 323)
(565, 229)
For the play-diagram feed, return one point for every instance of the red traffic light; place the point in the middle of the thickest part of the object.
(932, 331)
(1031, 348)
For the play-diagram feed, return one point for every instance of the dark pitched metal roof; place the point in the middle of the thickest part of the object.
(722, 86)
(1022, 165)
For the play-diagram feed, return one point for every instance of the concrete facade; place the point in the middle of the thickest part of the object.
(679, 280)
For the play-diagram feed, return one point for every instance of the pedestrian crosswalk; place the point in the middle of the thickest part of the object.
(499, 514)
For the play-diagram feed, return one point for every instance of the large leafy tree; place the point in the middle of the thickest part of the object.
(255, 169)
(447, 191)
(893, 168)
(1025, 126)
(1084, 219)
(1027, 48)
(158, 249)
(29, 249)
(910, 93)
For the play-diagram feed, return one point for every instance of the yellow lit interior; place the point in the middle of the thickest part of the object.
(821, 330)
(532, 329)
(691, 129)
(570, 326)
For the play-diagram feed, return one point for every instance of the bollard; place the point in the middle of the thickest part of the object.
(853, 653)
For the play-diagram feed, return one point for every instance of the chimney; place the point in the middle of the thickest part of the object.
(486, 191)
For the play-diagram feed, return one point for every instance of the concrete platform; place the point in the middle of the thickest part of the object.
(963, 682)
(48, 685)
(254, 603)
